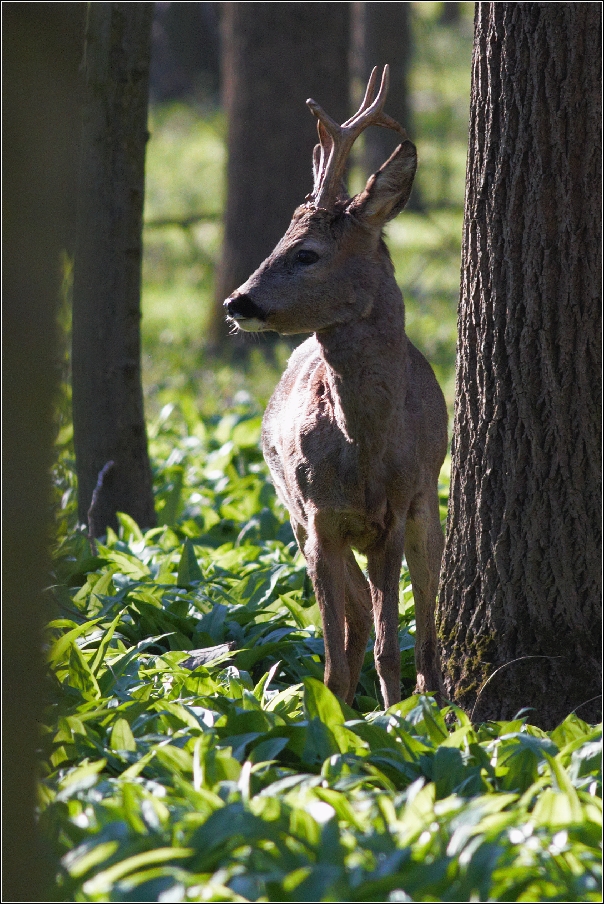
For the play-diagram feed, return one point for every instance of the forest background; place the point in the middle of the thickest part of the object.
(162, 774)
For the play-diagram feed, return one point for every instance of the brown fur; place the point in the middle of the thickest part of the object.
(355, 433)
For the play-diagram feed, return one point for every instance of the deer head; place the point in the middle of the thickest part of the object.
(319, 274)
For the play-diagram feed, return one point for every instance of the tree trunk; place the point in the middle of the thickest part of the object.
(275, 56)
(519, 611)
(42, 49)
(451, 13)
(108, 415)
(185, 61)
(384, 36)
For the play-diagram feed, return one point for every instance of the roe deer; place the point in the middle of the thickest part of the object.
(356, 431)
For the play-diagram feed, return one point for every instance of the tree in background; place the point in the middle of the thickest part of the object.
(42, 49)
(185, 60)
(383, 35)
(108, 418)
(275, 56)
(451, 13)
(519, 619)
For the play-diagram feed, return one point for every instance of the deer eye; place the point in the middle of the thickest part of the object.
(305, 256)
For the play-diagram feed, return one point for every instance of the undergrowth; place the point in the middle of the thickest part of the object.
(193, 754)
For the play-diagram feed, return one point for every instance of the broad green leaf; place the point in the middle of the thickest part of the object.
(265, 681)
(59, 649)
(129, 528)
(88, 855)
(571, 729)
(189, 571)
(104, 645)
(173, 498)
(175, 759)
(80, 674)
(104, 880)
(118, 666)
(121, 736)
(268, 749)
(127, 564)
(77, 779)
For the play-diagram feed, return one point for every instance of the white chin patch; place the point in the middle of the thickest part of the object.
(249, 324)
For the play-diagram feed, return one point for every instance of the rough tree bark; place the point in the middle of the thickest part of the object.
(520, 586)
(275, 55)
(108, 415)
(42, 49)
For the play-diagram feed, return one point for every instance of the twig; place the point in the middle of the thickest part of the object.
(585, 702)
(95, 497)
(183, 222)
(504, 666)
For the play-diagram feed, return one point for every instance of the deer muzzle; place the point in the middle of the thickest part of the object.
(245, 313)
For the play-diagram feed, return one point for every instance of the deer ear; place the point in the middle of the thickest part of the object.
(388, 190)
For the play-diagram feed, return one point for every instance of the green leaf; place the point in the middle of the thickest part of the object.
(59, 649)
(173, 498)
(448, 771)
(121, 736)
(118, 666)
(80, 674)
(189, 571)
(104, 645)
(129, 528)
(85, 857)
(84, 776)
(104, 880)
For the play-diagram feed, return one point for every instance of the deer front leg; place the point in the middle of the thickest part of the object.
(359, 619)
(423, 548)
(384, 566)
(325, 560)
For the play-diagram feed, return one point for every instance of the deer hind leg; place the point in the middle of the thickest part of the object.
(325, 560)
(424, 544)
(384, 566)
(359, 619)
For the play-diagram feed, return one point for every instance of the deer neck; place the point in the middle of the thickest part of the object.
(366, 366)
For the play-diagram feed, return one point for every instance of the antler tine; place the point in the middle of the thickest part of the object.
(368, 105)
(367, 99)
(336, 141)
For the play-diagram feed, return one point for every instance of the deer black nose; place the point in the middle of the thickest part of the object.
(242, 307)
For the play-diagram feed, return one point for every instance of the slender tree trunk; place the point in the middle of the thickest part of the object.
(108, 415)
(42, 49)
(519, 618)
(384, 35)
(185, 61)
(451, 13)
(275, 56)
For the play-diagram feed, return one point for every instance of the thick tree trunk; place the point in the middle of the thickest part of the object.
(519, 611)
(384, 36)
(275, 56)
(42, 49)
(108, 415)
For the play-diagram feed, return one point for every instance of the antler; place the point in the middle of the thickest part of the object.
(336, 141)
